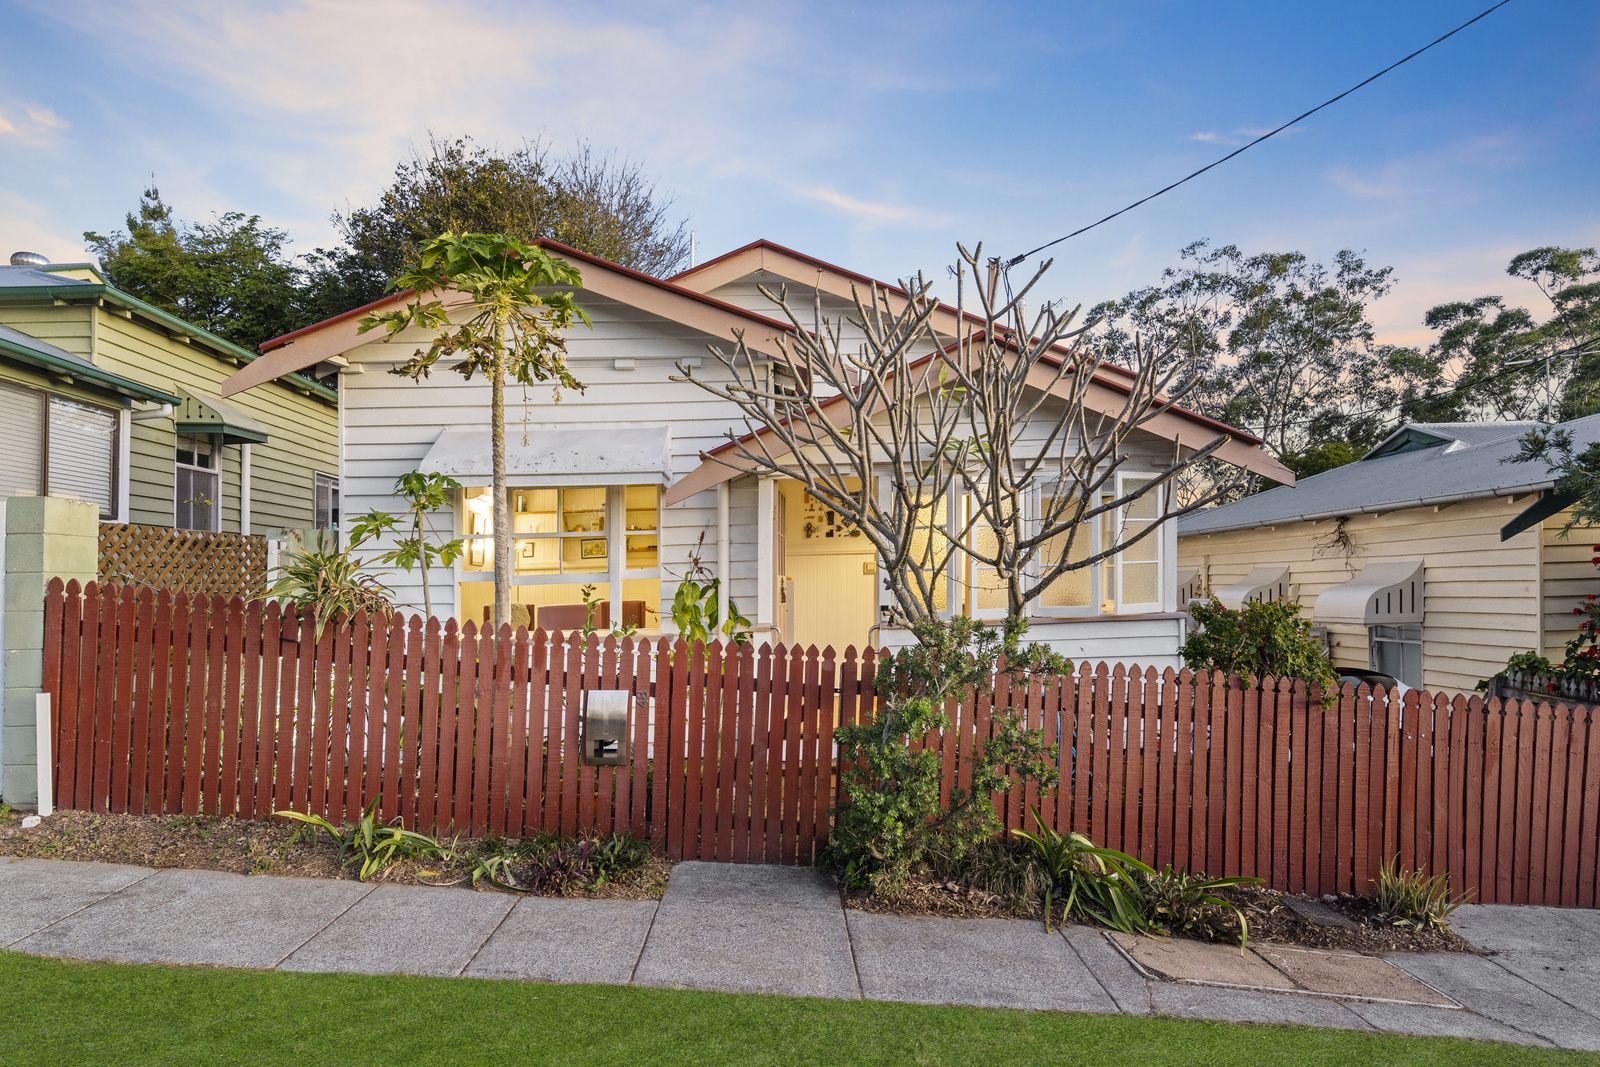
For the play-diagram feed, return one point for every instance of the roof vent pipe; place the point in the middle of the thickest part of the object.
(29, 259)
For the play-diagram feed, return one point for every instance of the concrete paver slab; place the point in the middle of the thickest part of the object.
(1129, 988)
(752, 883)
(1347, 974)
(988, 962)
(36, 893)
(1249, 1006)
(557, 940)
(1438, 1022)
(1573, 980)
(798, 950)
(1193, 961)
(176, 916)
(397, 930)
(1483, 986)
(1553, 933)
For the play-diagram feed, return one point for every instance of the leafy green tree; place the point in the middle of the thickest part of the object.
(1264, 638)
(424, 495)
(230, 275)
(1282, 345)
(498, 306)
(1320, 457)
(1497, 360)
(588, 199)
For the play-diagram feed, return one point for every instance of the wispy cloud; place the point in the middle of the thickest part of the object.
(29, 123)
(879, 211)
(1237, 136)
(1450, 169)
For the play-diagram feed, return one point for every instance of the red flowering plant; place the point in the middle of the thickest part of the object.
(1583, 651)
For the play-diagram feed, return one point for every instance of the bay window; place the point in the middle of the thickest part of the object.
(575, 550)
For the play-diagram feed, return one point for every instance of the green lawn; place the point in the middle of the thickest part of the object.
(63, 1012)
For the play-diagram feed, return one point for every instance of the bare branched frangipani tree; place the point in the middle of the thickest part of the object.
(997, 448)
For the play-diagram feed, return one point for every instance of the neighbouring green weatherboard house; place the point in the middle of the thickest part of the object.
(106, 398)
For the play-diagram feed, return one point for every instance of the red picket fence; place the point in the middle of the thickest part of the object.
(168, 704)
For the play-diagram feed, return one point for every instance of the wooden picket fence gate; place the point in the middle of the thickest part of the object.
(170, 703)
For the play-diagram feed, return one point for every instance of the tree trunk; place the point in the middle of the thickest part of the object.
(502, 518)
(422, 549)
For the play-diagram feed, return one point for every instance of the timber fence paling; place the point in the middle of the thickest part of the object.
(185, 703)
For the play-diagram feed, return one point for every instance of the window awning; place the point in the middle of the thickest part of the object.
(640, 455)
(203, 413)
(1388, 591)
(1188, 586)
(1263, 583)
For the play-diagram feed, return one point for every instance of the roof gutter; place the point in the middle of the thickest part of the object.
(1376, 509)
(86, 371)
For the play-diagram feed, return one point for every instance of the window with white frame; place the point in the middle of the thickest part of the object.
(1397, 652)
(1138, 566)
(325, 502)
(198, 483)
(570, 545)
(59, 446)
(1075, 592)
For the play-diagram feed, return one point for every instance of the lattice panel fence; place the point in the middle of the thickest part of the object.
(189, 561)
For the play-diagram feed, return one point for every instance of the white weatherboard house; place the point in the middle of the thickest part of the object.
(615, 487)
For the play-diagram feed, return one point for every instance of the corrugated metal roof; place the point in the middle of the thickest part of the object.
(1472, 460)
(32, 277)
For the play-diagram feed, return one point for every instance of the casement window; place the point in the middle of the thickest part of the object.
(1397, 652)
(1138, 566)
(58, 446)
(198, 483)
(569, 544)
(325, 506)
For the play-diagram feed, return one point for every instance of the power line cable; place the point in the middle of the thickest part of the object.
(1270, 133)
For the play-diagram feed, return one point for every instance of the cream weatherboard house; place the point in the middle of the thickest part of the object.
(1431, 559)
(617, 487)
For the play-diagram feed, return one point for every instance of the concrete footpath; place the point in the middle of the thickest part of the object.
(782, 930)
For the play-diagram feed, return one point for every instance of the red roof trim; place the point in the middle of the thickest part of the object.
(566, 252)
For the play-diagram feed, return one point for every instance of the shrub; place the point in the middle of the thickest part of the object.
(891, 820)
(1403, 897)
(1096, 884)
(1185, 903)
(548, 864)
(372, 845)
(1262, 638)
(330, 581)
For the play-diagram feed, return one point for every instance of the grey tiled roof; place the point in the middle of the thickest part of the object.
(1472, 460)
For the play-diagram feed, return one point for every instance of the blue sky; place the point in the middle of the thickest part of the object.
(874, 135)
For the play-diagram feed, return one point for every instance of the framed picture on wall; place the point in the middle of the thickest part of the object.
(592, 548)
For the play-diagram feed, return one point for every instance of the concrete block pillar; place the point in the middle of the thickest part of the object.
(45, 537)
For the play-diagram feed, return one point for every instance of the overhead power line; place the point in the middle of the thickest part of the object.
(1270, 133)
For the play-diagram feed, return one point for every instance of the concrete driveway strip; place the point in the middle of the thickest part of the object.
(176, 916)
(750, 928)
(397, 930)
(36, 893)
(1006, 963)
(555, 940)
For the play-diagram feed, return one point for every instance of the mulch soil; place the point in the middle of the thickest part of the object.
(1270, 918)
(277, 847)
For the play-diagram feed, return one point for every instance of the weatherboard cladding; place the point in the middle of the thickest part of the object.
(1479, 465)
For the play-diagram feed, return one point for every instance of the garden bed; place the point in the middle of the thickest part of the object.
(1271, 917)
(281, 847)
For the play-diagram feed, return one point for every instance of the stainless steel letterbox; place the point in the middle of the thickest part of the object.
(605, 726)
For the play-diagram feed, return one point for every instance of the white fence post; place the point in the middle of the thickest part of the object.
(42, 740)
